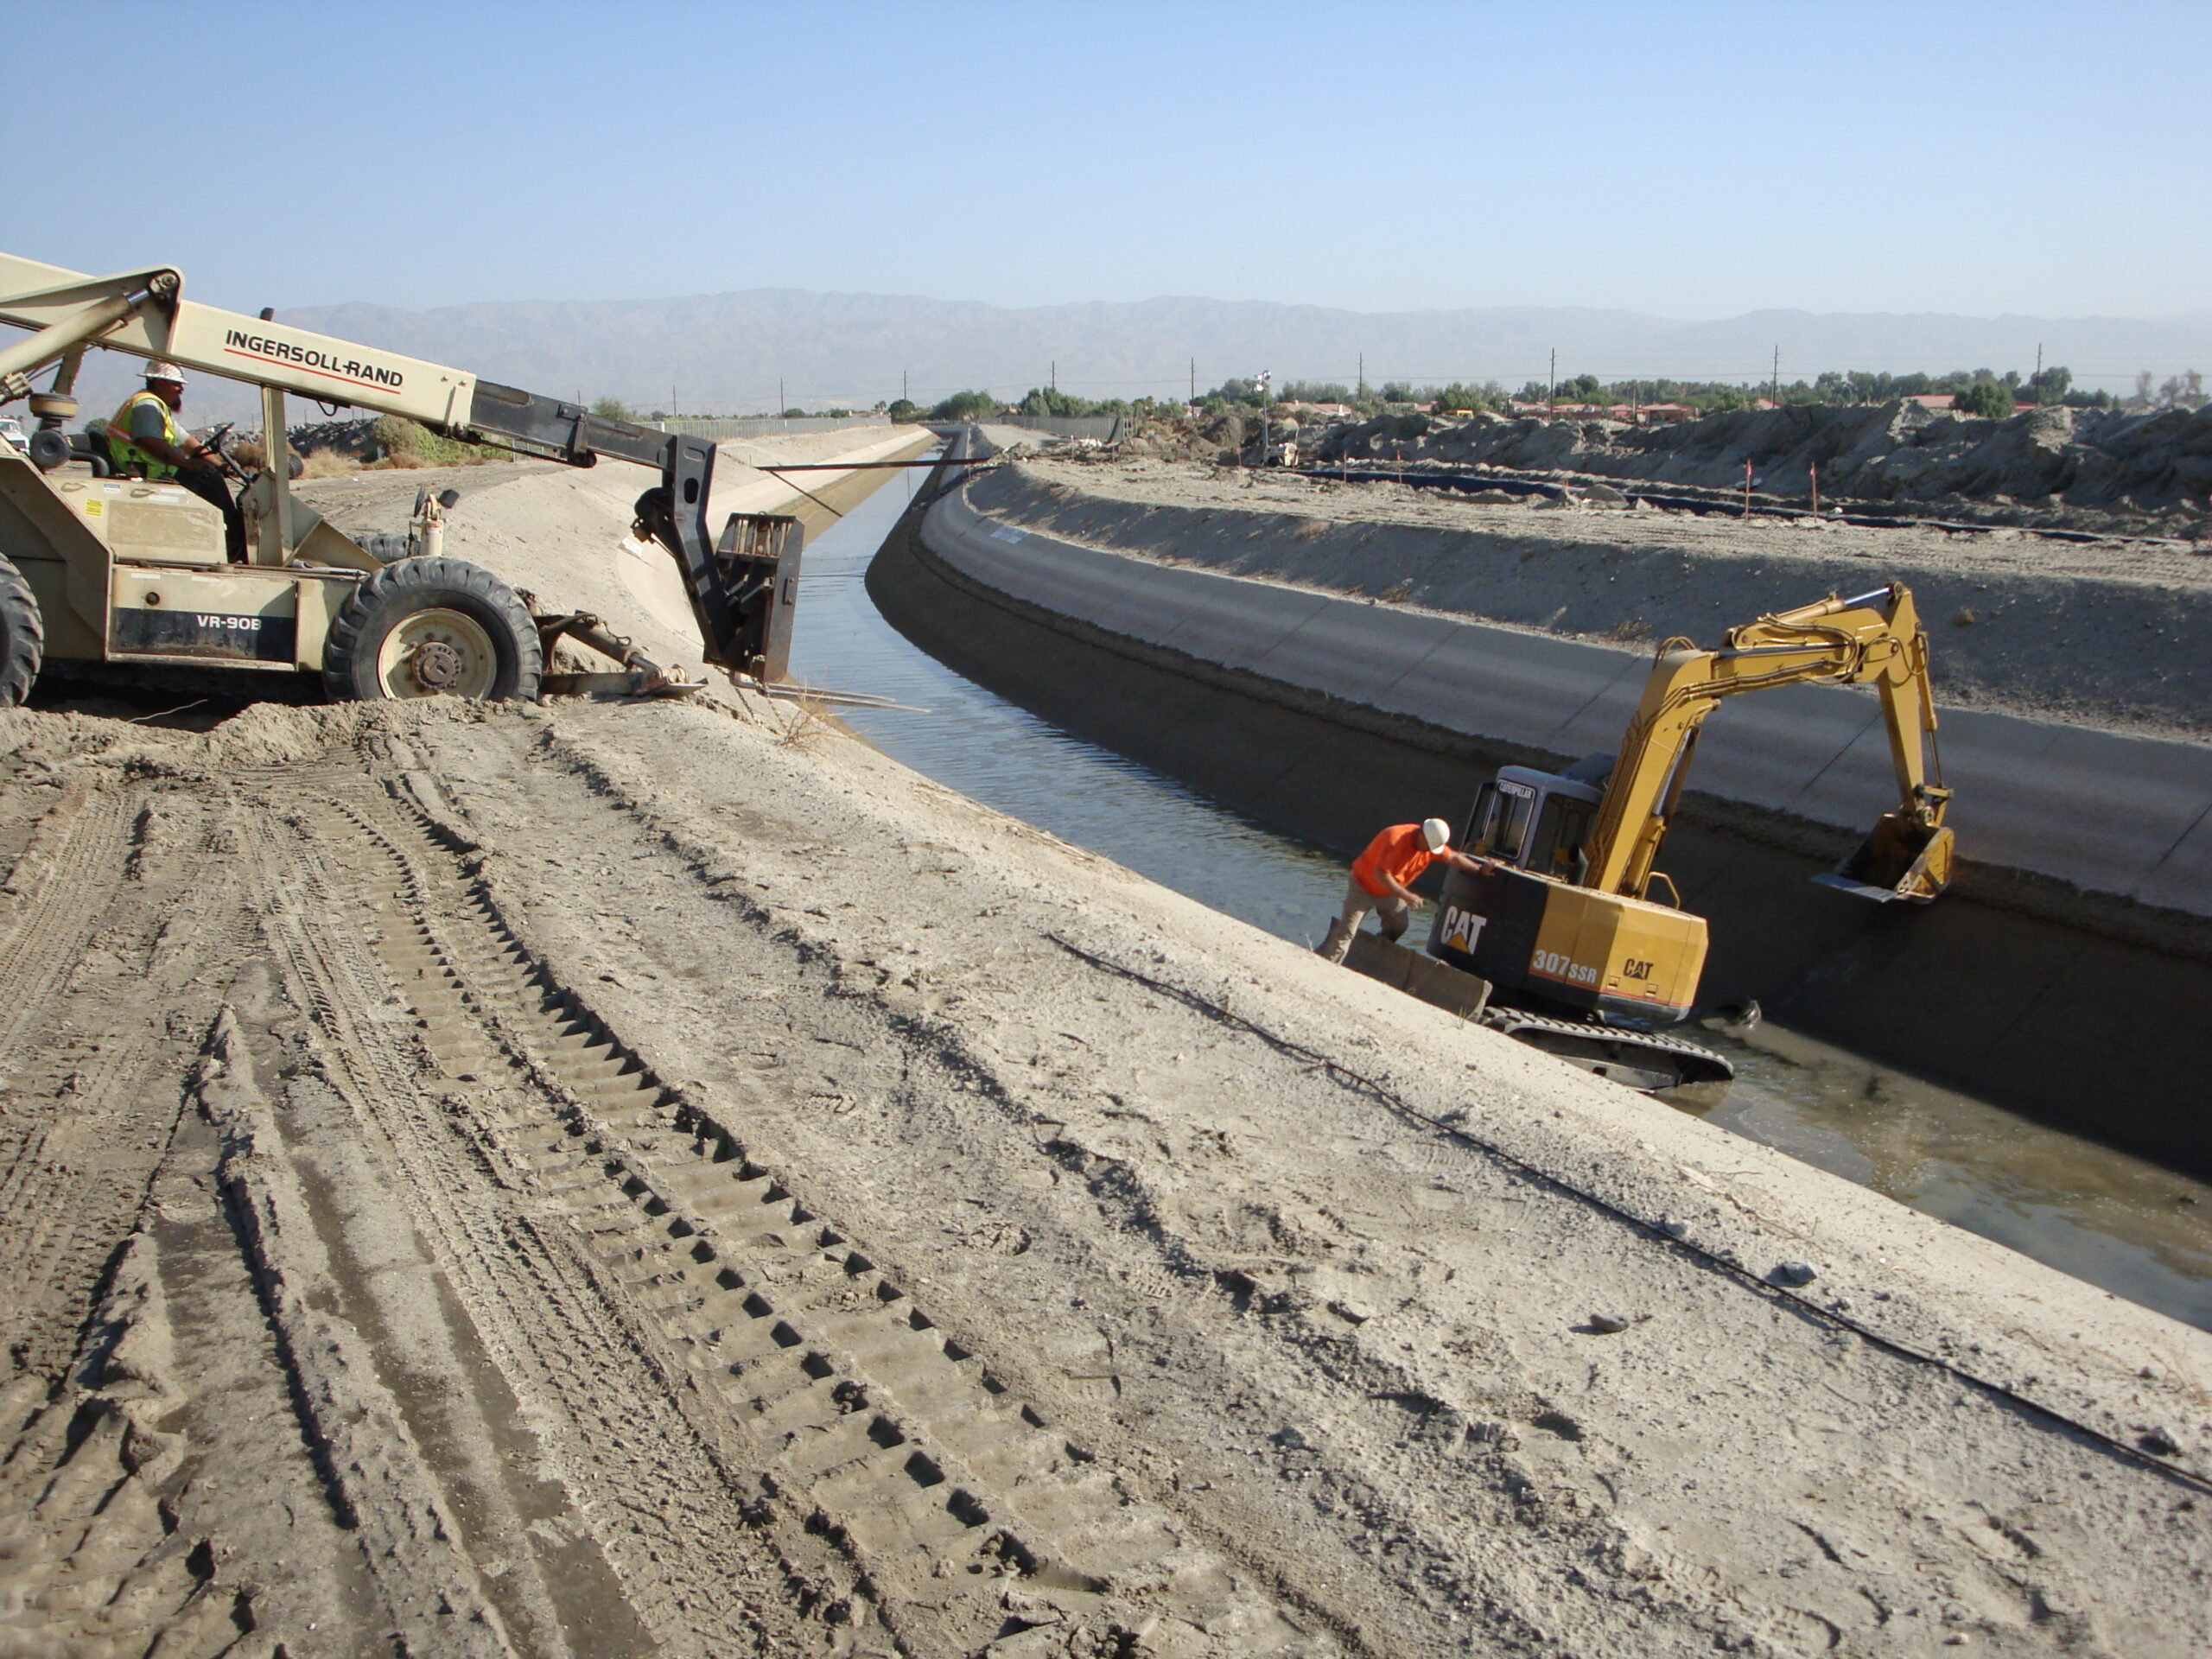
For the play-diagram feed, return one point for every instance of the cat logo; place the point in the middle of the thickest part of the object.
(1461, 929)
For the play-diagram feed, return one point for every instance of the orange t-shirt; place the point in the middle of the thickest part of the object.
(1399, 850)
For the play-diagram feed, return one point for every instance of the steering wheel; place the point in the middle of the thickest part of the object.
(212, 447)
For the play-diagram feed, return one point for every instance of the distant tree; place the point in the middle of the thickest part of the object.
(1583, 389)
(1459, 395)
(965, 406)
(1989, 400)
(794, 413)
(1051, 400)
(2052, 387)
(613, 408)
(1315, 391)
(901, 409)
(1233, 391)
(2182, 391)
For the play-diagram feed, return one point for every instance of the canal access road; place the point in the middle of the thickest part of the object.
(620, 1178)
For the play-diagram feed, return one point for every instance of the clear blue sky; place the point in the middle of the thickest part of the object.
(1692, 161)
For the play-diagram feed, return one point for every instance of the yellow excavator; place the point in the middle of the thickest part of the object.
(1581, 939)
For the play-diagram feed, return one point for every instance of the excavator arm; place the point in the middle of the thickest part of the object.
(1874, 637)
(740, 590)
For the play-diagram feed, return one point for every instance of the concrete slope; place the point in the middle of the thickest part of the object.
(2128, 816)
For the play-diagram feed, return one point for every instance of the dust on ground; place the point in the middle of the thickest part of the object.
(2105, 633)
(616, 1180)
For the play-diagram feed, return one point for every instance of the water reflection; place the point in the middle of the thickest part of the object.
(2115, 1221)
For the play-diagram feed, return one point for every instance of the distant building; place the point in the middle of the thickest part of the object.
(1934, 399)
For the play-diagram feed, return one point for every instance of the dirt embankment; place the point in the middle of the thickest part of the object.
(666, 1180)
(2094, 469)
(2104, 634)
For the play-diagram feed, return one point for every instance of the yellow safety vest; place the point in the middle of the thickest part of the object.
(129, 458)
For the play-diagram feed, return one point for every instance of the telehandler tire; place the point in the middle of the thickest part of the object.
(422, 627)
(22, 636)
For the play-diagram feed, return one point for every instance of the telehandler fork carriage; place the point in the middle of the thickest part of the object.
(95, 569)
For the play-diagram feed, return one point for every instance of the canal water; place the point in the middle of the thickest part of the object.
(2118, 1221)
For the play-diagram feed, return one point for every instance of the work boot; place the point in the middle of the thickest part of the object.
(1337, 943)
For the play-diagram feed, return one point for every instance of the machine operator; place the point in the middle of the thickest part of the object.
(1383, 878)
(146, 440)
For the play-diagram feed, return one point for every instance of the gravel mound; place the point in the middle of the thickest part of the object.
(2089, 468)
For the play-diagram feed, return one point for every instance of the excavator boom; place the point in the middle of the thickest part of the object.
(1875, 638)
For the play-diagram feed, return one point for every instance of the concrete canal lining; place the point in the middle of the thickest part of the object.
(2063, 977)
(2129, 817)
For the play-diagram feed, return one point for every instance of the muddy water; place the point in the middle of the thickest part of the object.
(2119, 1222)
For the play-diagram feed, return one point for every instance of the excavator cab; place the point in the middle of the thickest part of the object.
(1538, 821)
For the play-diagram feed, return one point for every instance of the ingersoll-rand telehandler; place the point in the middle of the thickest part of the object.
(1578, 942)
(133, 574)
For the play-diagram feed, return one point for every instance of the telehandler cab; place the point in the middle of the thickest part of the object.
(1577, 943)
(95, 568)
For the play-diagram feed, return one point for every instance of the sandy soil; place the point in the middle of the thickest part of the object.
(2103, 634)
(612, 1179)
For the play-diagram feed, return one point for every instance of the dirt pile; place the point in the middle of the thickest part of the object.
(1225, 437)
(2099, 468)
(658, 1179)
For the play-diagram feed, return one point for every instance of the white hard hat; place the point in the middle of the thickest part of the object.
(159, 369)
(1435, 834)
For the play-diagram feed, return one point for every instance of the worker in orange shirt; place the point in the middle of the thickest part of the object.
(1383, 878)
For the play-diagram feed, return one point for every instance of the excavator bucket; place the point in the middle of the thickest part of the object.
(1899, 859)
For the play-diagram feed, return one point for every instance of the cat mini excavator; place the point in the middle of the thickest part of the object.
(1583, 941)
(133, 574)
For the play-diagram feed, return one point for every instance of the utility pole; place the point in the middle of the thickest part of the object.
(674, 408)
(1054, 377)
(2039, 380)
(1774, 394)
(903, 397)
(1361, 391)
(1551, 386)
(782, 403)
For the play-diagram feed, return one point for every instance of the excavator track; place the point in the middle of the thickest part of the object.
(1646, 1060)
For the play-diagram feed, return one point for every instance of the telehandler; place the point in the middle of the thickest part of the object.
(120, 571)
(1565, 928)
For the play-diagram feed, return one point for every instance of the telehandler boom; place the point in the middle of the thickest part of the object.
(93, 569)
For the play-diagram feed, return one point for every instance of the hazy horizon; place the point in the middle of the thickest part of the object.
(1694, 161)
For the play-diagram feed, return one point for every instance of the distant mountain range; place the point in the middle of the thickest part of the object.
(730, 352)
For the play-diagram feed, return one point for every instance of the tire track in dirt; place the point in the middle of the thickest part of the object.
(636, 1471)
(75, 854)
(376, 1470)
(93, 1561)
(127, 922)
(961, 1517)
